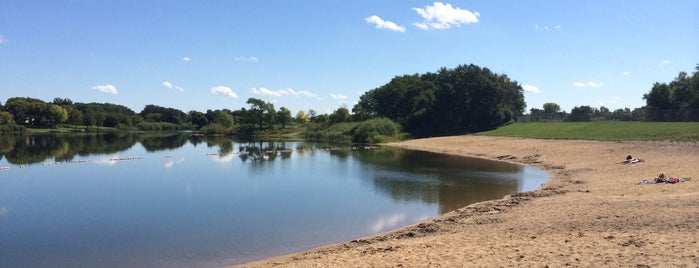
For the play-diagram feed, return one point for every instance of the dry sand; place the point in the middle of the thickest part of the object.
(591, 213)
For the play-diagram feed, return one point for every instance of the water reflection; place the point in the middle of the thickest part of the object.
(402, 174)
(202, 200)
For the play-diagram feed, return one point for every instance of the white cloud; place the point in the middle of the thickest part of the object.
(443, 16)
(625, 73)
(666, 62)
(282, 92)
(338, 97)
(226, 91)
(307, 94)
(252, 59)
(105, 88)
(546, 27)
(2, 39)
(186, 59)
(267, 92)
(169, 85)
(384, 24)
(588, 84)
(530, 88)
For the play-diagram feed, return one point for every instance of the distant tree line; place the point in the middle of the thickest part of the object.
(464, 99)
(552, 112)
(21, 112)
(674, 101)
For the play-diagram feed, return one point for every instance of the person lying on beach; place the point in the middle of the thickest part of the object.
(661, 178)
(632, 160)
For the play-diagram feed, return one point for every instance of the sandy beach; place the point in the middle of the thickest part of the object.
(591, 213)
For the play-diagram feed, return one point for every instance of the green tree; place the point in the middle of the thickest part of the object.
(198, 119)
(467, 98)
(341, 115)
(6, 118)
(551, 108)
(27, 111)
(223, 118)
(284, 116)
(674, 101)
(261, 112)
(154, 113)
(56, 114)
(581, 114)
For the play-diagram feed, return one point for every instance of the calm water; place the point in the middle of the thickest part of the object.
(177, 200)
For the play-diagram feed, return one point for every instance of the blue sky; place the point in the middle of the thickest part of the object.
(323, 55)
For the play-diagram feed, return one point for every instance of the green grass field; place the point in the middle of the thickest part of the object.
(602, 130)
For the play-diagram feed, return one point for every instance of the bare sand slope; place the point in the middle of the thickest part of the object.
(591, 213)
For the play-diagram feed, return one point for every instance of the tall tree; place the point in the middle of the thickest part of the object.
(261, 112)
(464, 99)
(581, 113)
(341, 115)
(284, 117)
(674, 101)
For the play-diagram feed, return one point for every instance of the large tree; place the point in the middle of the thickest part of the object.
(467, 98)
(284, 117)
(261, 112)
(155, 113)
(674, 101)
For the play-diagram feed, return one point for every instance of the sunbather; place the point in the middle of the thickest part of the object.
(631, 160)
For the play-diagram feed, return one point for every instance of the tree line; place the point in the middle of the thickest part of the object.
(677, 101)
(464, 99)
(19, 112)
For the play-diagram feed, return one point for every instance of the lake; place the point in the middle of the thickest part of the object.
(182, 200)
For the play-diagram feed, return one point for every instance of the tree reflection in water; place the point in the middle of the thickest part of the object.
(450, 181)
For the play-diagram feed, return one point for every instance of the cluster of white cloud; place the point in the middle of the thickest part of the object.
(625, 73)
(248, 59)
(169, 85)
(338, 97)
(530, 88)
(442, 16)
(666, 62)
(225, 91)
(187, 59)
(282, 92)
(384, 24)
(546, 27)
(108, 88)
(437, 16)
(588, 84)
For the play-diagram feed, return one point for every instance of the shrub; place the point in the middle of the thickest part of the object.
(12, 128)
(376, 130)
(214, 128)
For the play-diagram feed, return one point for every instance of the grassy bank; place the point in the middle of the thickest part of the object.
(603, 130)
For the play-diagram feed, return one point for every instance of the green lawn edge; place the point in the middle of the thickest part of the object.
(602, 130)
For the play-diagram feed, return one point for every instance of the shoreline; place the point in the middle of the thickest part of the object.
(591, 212)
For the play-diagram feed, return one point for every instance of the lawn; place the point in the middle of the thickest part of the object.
(602, 130)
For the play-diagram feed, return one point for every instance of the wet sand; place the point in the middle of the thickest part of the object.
(591, 213)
